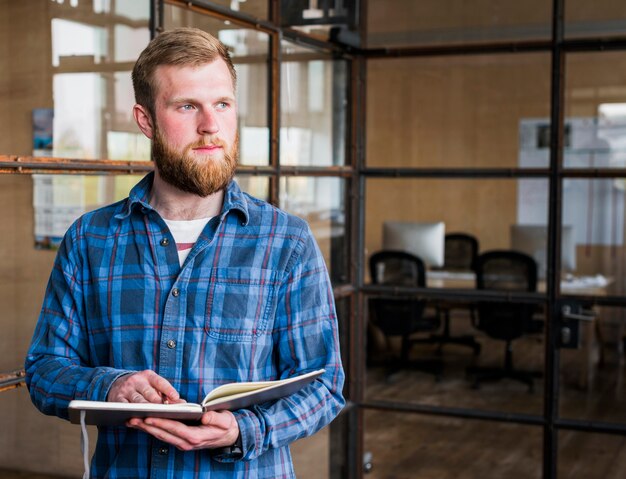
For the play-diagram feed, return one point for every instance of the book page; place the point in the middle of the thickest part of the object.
(236, 390)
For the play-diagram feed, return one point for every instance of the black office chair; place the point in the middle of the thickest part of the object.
(505, 320)
(461, 251)
(402, 315)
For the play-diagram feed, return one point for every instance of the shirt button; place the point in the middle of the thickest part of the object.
(165, 242)
(163, 451)
(176, 292)
(171, 344)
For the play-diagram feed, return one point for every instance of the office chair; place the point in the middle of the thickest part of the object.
(506, 320)
(402, 315)
(461, 251)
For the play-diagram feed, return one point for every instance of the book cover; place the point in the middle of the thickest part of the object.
(230, 396)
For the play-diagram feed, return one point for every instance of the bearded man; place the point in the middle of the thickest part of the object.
(185, 285)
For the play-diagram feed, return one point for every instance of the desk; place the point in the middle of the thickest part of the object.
(585, 285)
(573, 285)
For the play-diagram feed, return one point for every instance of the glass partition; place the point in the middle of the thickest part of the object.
(313, 113)
(595, 110)
(458, 112)
(452, 343)
(321, 202)
(249, 51)
(592, 364)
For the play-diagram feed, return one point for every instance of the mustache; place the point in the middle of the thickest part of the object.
(207, 141)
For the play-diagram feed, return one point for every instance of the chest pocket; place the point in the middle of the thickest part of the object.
(240, 303)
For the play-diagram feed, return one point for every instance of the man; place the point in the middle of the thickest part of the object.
(185, 285)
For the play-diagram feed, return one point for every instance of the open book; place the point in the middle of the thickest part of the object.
(228, 396)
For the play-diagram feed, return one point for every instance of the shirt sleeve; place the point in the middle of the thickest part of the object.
(58, 360)
(306, 339)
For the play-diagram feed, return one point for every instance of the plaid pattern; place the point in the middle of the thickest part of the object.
(251, 302)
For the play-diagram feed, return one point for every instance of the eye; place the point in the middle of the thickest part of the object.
(223, 105)
(187, 107)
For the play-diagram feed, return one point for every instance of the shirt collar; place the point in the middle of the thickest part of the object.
(139, 195)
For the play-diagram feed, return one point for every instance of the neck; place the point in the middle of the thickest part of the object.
(175, 204)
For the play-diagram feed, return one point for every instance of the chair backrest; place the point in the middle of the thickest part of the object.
(506, 271)
(397, 268)
(400, 314)
(461, 251)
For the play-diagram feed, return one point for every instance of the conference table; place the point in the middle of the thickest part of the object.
(591, 337)
(576, 285)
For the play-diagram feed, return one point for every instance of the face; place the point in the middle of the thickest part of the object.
(194, 132)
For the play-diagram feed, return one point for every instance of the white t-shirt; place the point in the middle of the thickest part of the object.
(186, 234)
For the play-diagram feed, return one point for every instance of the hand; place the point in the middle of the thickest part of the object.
(216, 429)
(144, 386)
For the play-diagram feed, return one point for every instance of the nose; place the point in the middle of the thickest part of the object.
(208, 123)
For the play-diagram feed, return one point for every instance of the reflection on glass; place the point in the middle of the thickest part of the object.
(602, 18)
(595, 209)
(313, 112)
(92, 91)
(257, 186)
(398, 23)
(469, 111)
(595, 111)
(249, 51)
(255, 8)
(592, 373)
(321, 202)
(414, 445)
(58, 200)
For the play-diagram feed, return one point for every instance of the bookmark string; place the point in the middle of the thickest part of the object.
(84, 443)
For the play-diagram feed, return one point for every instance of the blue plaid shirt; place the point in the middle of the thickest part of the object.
(251, 302)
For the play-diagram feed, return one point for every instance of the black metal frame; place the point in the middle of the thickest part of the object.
(347, 431)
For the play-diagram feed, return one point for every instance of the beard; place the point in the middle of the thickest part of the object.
(201, 177)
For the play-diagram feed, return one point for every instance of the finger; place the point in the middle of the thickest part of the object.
(163, 387)
(216, 419)
(138, 397)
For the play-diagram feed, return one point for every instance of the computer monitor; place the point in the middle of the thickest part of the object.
(533, 240)
(424, 240)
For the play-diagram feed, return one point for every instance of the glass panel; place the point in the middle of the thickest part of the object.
(412, 445)
(592, 365)
(594, 209)
(598, 18)
(321, 202)
(77, 82)
(256, 8)
(454, 340)
(249, 51)
(257, 186)
(313, 108)
(595, 110)
(592, 456)
(398, 23)
(469, 111)
(58, 200)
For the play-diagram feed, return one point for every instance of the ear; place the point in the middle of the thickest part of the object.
(143, 120)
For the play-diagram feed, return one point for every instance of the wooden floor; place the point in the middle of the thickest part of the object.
(405, 445)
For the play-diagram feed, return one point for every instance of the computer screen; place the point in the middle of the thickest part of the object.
(424, 240)
(533, 240)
